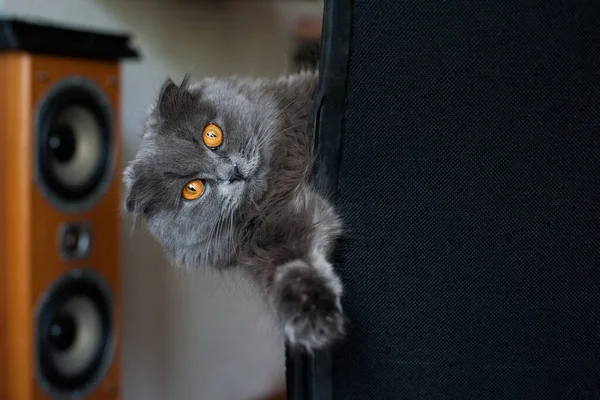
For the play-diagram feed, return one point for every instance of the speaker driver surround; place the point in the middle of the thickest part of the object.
(74, 144)
(75, 334)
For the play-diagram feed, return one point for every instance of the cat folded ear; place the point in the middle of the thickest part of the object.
(173, 100)
(138, 193)
(129, 181)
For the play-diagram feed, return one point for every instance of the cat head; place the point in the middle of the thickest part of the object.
(205, 157)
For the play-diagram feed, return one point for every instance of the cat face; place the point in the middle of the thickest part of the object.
(204, 159)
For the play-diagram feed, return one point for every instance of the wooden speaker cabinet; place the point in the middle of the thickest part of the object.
(60, 154)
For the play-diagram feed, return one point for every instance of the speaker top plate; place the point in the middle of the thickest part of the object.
(39, 36)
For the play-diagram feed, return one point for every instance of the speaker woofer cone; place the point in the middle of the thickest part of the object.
(74, 143)
(74, 336)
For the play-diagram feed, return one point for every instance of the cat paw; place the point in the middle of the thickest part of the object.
(309, 306)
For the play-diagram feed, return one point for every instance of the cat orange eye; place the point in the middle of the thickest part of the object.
(212, 136)
(193, 189)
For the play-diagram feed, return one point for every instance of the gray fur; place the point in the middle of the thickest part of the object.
(274, 224)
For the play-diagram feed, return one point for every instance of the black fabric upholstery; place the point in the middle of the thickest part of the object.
(469, 181)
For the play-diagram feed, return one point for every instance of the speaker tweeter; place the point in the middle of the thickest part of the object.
(75, 240)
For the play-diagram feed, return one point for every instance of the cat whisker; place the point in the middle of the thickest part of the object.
(280, 94)
(275, 118)
(276, 135)
(266, 136)
(292, 127)
(231, 244)
(262, 137)
(213, 235)
(279, 133)
(219, 229)
(262, 141)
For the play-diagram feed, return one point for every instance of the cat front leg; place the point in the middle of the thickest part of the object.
(307, 296)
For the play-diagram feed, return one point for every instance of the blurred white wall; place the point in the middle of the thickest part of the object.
(187, 335)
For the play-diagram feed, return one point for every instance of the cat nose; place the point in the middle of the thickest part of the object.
(235, 175)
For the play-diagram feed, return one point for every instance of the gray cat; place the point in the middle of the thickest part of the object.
(223, 179)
